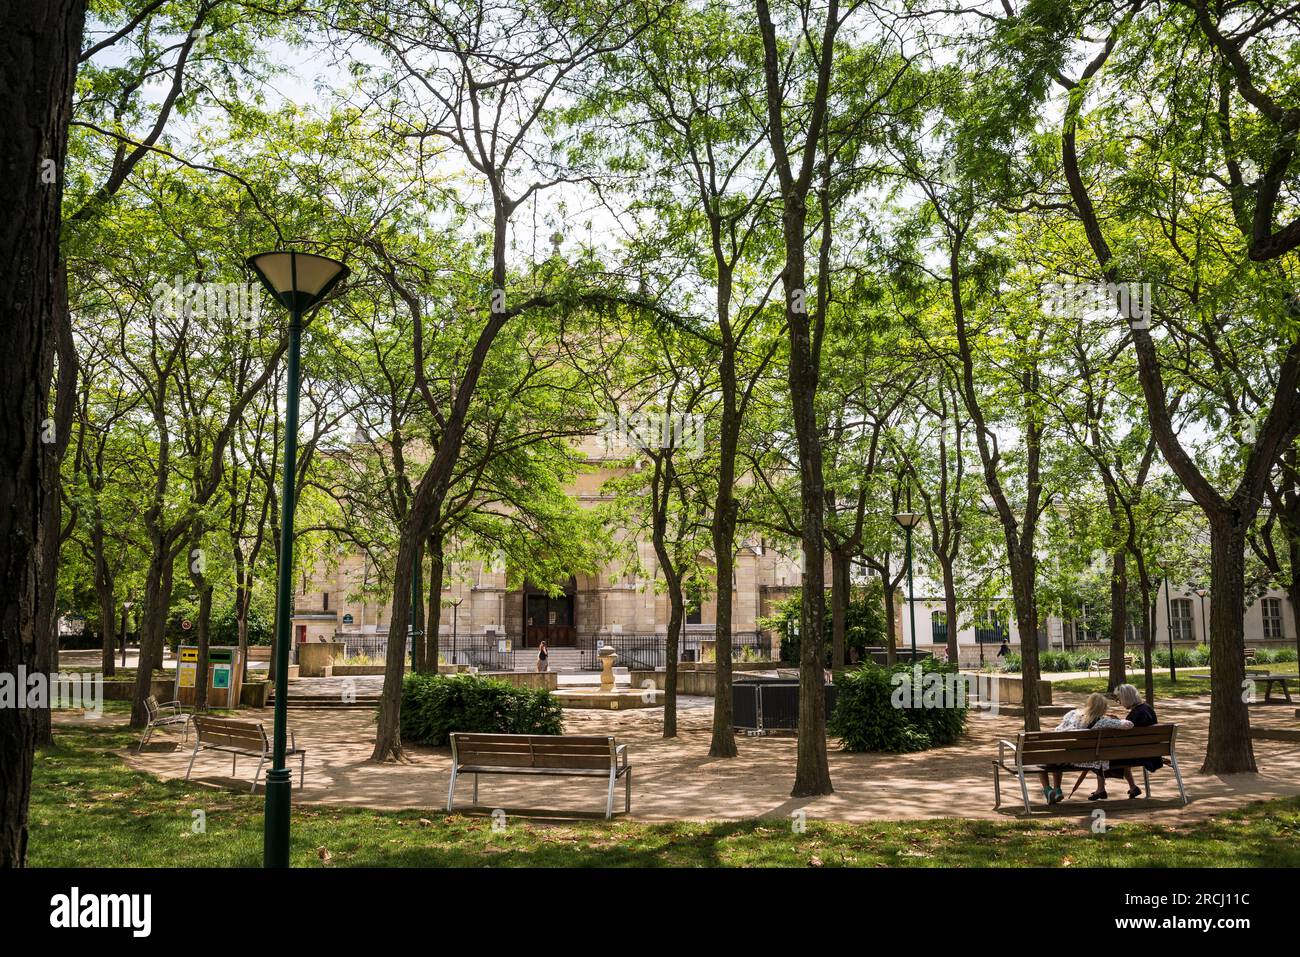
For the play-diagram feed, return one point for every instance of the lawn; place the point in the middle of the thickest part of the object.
(90, 810)
(1186, 686)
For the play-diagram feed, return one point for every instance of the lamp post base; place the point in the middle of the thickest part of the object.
(275, 836)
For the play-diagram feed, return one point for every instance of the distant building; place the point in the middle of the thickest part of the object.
(484, 614)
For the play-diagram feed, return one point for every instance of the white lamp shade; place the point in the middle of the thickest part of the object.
(298, 280)
(908, 519)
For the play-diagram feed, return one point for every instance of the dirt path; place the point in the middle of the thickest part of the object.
(676, 780)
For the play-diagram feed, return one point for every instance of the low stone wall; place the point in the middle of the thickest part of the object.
(696, 678)
(525, 679)
(1010, 689)
(118, 690)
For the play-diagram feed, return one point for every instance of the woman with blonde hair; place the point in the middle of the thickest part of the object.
(1091, 715)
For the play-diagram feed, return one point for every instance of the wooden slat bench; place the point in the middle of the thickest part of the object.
(240, 737)
(593, 756)
(1103, 664)
(1032, 751)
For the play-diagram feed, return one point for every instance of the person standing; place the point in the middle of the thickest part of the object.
(542, 656)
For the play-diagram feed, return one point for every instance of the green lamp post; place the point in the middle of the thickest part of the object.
(909, 520)
(297, 281)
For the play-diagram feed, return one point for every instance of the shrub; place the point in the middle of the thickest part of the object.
(866, 717)
(433, 706)
(1008, 664)
(1285, 654)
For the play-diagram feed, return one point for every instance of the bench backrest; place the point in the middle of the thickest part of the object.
(577, 752)
(230, 733)
(151, 706)
(1096, 744)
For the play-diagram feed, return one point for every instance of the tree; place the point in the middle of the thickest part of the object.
(40, 44)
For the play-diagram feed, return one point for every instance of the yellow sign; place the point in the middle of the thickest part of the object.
(189, 654)
(189, 671)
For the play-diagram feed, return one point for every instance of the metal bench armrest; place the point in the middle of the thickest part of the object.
(621, 754)
(1003, 745)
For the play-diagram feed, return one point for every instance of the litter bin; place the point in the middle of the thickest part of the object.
(224, 676)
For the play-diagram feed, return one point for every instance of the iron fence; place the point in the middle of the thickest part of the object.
(478, 651)
(646, 652)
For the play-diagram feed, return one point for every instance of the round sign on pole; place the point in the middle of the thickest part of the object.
(186, 624)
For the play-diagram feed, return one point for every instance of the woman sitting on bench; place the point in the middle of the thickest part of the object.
(1142, 715)
(1091, 715)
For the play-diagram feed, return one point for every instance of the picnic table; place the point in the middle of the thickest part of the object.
(1269, 680)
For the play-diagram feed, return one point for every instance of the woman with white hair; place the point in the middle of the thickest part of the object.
(1091, 715)
(1143, 716)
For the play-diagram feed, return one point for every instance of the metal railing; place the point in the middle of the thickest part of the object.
(650, 651)
(477, 651)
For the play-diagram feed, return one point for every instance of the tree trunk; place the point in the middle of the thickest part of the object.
(950, 611)
(388, 737)
(107, 604)
(1022, 586)
(433, 617)
(676, 615)
(1229, 749)
(151, 631)
(1293, 591)
(40, 41)
(891, 622)
(1118, 618)
(723, 742)
(839, 605)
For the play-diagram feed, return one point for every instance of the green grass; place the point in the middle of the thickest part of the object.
(1185, 687)
(89, 809)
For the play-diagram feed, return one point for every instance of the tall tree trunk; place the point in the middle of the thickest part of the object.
(723, 742)
(433, 617)
(40, 41)
(1118, 617)
(891, 620)
(152, 617)
(950, 611)
(840, 561)
(1229, 749)
(1022, 586)
(107, 604)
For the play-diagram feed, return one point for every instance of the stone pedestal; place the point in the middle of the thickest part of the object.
(316, 658)
(606, 654)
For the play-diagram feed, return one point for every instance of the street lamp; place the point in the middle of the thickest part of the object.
(1202, 592)
(909, 520)
(297, 281)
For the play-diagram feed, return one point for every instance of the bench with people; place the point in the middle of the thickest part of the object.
(1091, 742)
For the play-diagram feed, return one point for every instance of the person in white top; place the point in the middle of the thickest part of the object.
(1091, 715)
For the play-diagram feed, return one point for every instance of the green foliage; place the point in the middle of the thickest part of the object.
(225, 628)
(864, 625)
(433, 706)
(867, 715)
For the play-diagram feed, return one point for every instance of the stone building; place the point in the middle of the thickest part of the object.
(482, 611)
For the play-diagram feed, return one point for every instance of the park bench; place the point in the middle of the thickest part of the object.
(1249, 656)
(1033, 751)
(235, 737)
(163, 715)
(1103, 664)
(594, 756)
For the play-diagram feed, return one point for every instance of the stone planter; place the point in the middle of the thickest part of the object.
(316, 658)
(254, 694)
